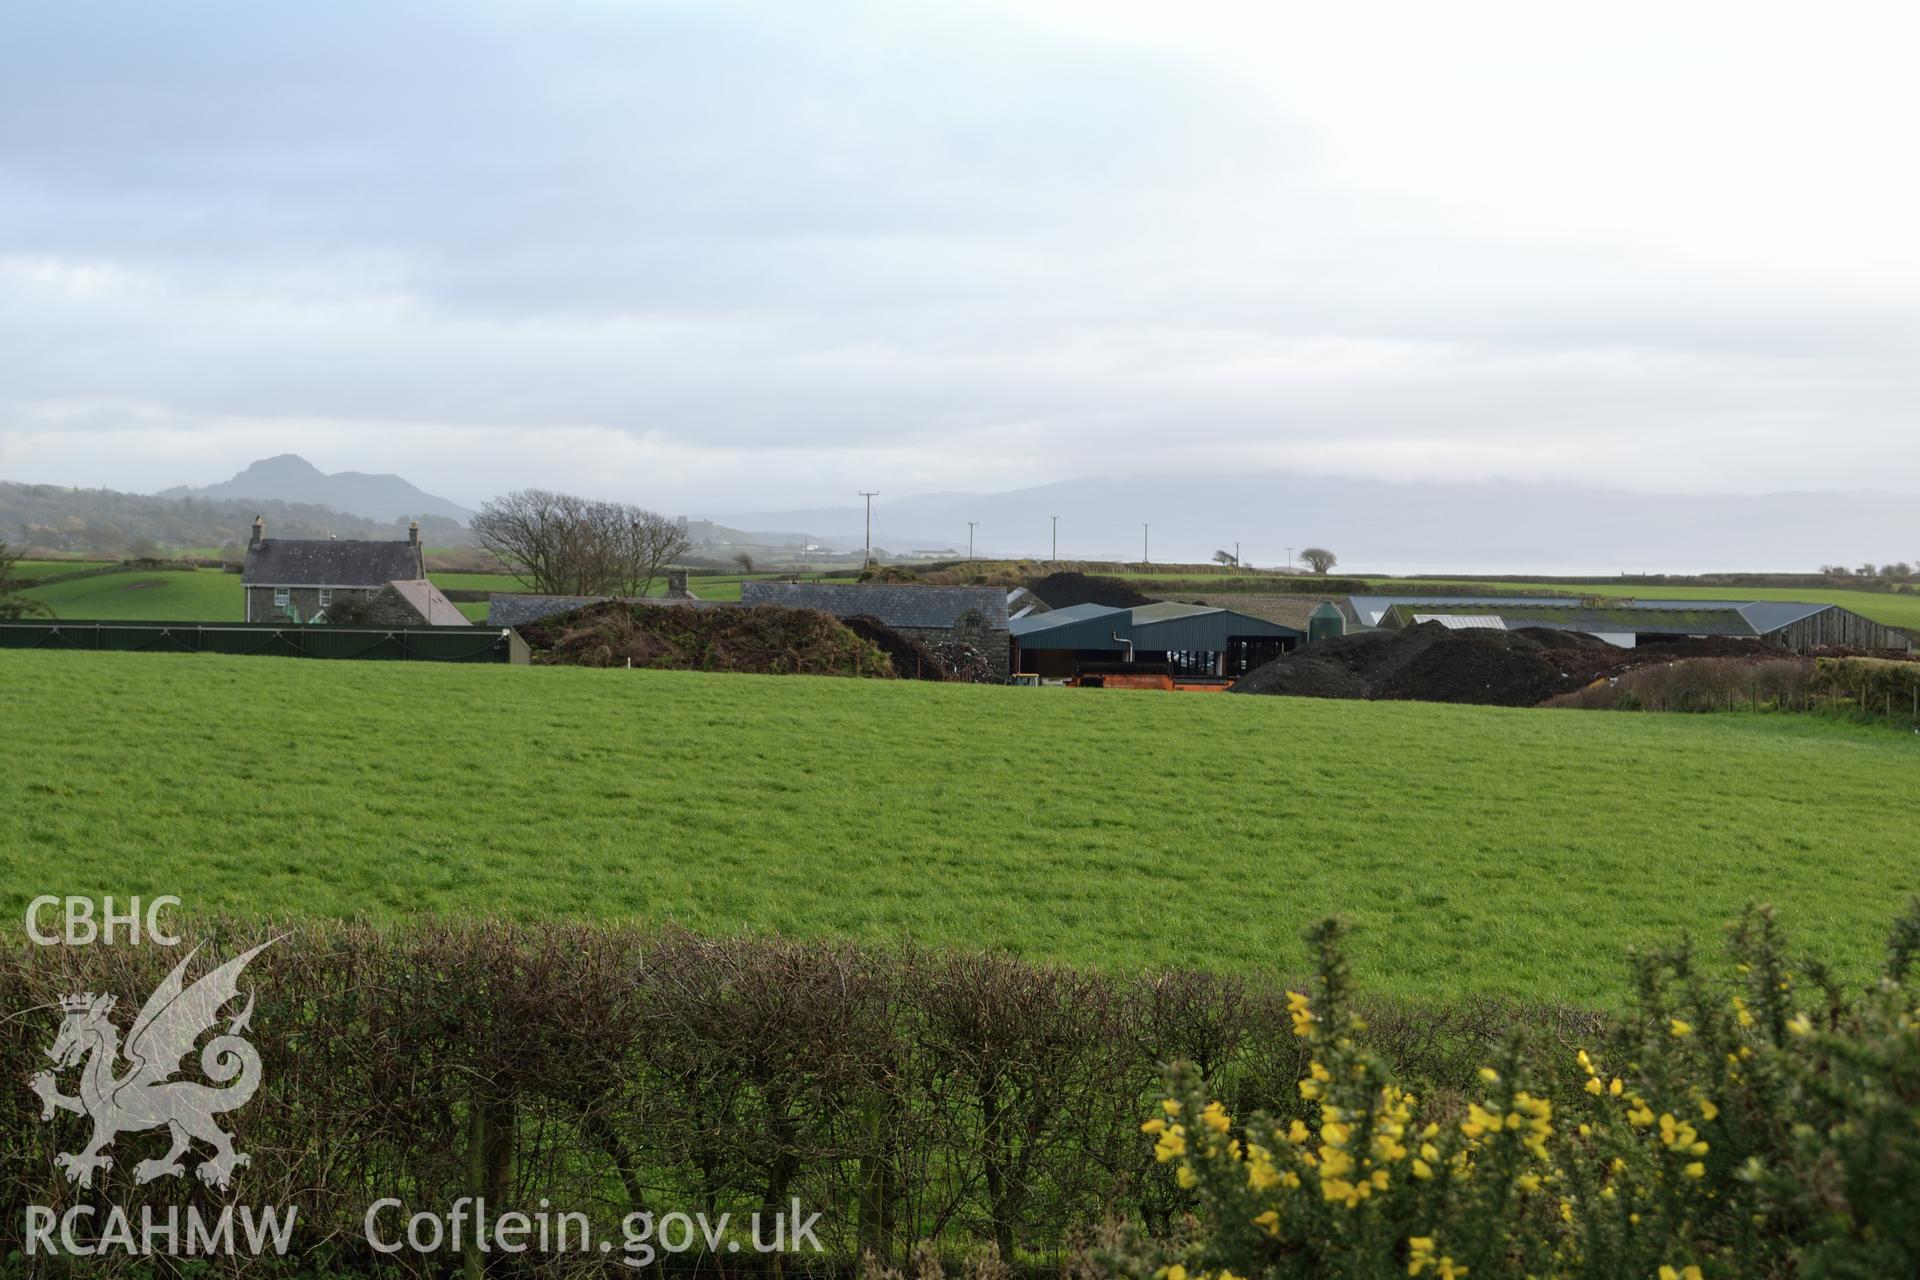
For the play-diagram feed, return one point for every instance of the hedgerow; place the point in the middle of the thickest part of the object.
(1761, 1121)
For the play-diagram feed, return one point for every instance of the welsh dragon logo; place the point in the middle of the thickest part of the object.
(143, 1095)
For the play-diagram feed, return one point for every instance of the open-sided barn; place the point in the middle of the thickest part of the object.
(1195, 640)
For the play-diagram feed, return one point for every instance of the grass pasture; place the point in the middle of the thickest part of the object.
(156, 595)
(34, 570)
(1476, 849)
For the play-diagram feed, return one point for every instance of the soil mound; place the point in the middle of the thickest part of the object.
(1430, 663)
(763, 639)
(1061, 590)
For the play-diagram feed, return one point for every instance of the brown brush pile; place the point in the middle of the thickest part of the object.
(764, 640)
(911, 659)
(1429, 663)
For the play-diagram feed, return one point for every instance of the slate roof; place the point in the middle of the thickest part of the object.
(933, 608)
(428, 601)
(510, 610)
(518, 611)
(329, 562)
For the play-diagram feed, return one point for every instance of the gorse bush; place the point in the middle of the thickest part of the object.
(1765, 1123)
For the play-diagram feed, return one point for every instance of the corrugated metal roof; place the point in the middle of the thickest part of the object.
(1572, 616)
(1464, 621)
(1759, 616)
(1370, 609)
(1166, 625)
(1072, 614)
(430, 604)
(1162, 610)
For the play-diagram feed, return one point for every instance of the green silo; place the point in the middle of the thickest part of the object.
(1326, 622)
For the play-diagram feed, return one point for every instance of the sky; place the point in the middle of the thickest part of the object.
(719, 256)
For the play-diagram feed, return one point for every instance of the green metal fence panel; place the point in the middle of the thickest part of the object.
(391, 644)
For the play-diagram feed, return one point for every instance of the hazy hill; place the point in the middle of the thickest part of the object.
(1393, 527)
(291, 478)
(106, 522)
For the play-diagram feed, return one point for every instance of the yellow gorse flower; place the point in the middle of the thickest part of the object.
(1299, 1008)
(1420, 1258)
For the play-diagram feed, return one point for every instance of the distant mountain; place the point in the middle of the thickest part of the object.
(1384, 527)
(292, 479)
(103, 522)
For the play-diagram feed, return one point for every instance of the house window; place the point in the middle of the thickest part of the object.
(326, 596)
(280, 597)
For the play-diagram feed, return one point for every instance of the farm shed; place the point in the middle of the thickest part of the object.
(971, 616)
(1788, 625)
(1190, 639)
(402, 644)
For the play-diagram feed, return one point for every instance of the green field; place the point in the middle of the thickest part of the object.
(1477, 849)
(33, 570)
(163, 595)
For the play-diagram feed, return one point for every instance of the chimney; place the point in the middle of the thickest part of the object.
(419, 555)
(259, 531)
(677, 585)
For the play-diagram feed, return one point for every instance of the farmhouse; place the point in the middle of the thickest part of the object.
(1191, 639)
(971, 616)
(299, 579)
(1787, 624)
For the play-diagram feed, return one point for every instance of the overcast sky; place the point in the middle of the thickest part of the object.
(720, 256)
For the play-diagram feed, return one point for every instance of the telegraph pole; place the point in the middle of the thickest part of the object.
(970, 525)
(1056, 539)
(1236, 553)
(1144, 557)
(1289, 559)
(869, 495)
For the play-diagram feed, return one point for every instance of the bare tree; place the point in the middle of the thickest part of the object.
(745, 562)
(1225, 557)
(651, 543)
(560, 544)
(13, 604)
(1319, 559)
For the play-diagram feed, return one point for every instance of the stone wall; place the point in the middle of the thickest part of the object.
(971, 629)
(304, 601)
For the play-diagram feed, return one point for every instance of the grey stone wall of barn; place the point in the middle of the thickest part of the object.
(389, 608)
(971, 629)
